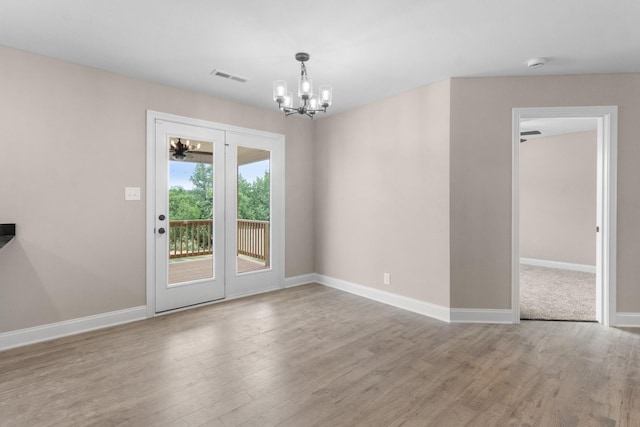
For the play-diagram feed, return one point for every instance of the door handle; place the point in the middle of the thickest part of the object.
(161, 230)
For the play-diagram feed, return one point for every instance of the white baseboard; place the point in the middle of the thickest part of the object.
(454, 315)
(410, 304)
(303, 279)
(559, 265)
(477, 315)
(628, 320)
(51, 331)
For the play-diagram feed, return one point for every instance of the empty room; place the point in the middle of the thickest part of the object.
(297, 213)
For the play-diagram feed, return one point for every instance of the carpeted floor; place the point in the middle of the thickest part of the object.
(553, 294)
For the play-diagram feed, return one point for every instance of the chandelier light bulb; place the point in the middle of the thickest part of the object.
(288, 100)
(279, 90)
(305, 89)
(325, 95)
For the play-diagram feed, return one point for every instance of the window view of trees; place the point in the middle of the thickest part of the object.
(253, 198)
(197, 203)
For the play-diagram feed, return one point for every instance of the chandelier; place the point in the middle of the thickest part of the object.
(309, 104)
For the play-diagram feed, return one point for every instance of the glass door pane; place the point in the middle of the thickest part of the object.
(191, 195)
(253, 210)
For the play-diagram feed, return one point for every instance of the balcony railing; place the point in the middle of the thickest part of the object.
(189, 238)
(253, 239)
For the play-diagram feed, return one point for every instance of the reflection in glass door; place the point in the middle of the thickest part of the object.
(253, 231)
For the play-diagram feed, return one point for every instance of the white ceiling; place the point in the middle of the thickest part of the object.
(367, 50)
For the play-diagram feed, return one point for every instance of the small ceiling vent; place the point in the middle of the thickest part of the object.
(225, 75)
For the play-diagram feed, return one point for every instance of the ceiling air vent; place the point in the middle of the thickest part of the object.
(225, 75)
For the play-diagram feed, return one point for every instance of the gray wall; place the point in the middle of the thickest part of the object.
(418, 185)
(72, 138)
(382, 194)
(558, 198)
(481, 178)
(369, 221)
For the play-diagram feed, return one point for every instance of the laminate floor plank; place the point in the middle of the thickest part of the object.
(315, 356)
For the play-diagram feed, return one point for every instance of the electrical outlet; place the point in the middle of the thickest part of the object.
(386, 278)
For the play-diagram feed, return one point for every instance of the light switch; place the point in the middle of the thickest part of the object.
(132, 193)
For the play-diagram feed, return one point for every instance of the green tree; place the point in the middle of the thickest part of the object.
(197, 203)
(182, 204)
(245, 208)
(254, 198)
(261, 196)
(202, 180)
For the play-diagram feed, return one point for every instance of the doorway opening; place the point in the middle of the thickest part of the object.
(562, 240)
(557, 215)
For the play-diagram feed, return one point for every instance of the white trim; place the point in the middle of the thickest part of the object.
(208, 124)
(421, 307)
(303, 279)
(478, 315)
(607, 117)
(51, 331)
(453, 315)
(150, 213)
(628, 320)
(585, 268)
(515, 217)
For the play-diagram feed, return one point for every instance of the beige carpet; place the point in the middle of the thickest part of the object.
(553, 294)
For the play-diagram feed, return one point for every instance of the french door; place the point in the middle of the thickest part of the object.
(189, 215)
(217, 212)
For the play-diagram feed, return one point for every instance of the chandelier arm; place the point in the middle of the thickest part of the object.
(317, 110)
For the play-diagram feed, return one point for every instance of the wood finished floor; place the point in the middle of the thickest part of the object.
(315, 356)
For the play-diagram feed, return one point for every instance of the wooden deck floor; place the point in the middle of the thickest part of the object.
(186, 270)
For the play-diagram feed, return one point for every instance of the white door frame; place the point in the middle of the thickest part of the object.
(607, 117)
(152, 118)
